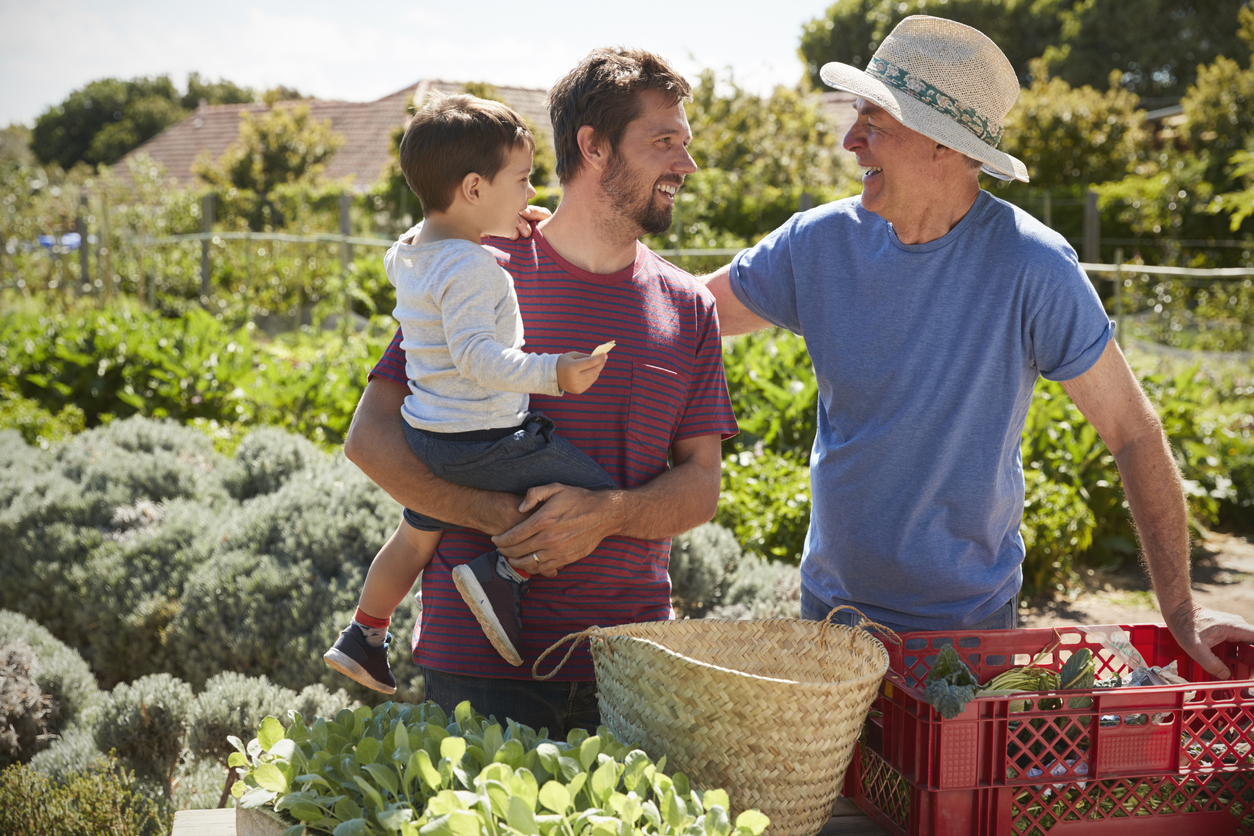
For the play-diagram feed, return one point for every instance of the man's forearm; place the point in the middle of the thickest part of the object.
(376, 443)
(572, 522)
(678, 500)
(1155, 495)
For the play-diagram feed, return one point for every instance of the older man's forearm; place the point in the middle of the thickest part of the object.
(376, 443)
(1155, 495)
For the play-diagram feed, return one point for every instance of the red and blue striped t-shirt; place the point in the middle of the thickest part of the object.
(663, 382)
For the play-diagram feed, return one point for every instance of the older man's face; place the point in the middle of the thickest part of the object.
(899, 173)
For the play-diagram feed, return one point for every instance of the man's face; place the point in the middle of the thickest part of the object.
(897, 162)
(647, 169)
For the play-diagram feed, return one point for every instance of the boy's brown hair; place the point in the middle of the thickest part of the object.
(453, 136)
(602, 93)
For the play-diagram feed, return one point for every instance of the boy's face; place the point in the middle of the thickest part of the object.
(507, 194)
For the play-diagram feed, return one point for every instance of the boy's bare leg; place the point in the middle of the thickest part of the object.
(395, 568)
(361, 651)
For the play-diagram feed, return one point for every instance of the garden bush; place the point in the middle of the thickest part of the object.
(24, 708)
(233, 705)
(130, 543)
(711, 577)
(60, 672)
(105, 800)
(145, 723)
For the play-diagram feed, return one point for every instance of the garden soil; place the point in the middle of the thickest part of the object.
(1223, 579)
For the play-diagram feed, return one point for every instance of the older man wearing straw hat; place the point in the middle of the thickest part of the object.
(929, 308)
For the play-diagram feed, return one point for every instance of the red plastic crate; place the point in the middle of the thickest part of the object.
(1168, 760)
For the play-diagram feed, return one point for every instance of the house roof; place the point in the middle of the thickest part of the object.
(366, 127)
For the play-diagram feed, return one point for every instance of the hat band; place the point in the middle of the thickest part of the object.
(935, 98)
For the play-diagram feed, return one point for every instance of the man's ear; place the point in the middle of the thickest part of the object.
(593, 148)
(470, 187)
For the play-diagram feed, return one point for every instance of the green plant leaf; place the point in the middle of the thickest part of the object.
(270, 777)
(270, 732)
(716, 798)
(555, 797)
(368, 750)
(370, 791)
(453, 748)
(237, 759)
(383, 776)
(305, 811)
(588, 751)
(752, 822)
(604, 780)
(256, 797)
(673, 810)
(493, 740)
(521, 817)
(352, 827)
(716, 822)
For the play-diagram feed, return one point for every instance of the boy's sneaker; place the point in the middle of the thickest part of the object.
(353, 657)
(494, 601)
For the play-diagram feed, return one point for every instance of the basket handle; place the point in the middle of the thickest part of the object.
(578, 637)
(865, 623)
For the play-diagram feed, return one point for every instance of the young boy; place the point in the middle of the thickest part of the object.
(469, 162)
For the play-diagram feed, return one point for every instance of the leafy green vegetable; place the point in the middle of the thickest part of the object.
(950, 684)
(1079, 672)
(410, 770)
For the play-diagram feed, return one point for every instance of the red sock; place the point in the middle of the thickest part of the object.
(366, 620)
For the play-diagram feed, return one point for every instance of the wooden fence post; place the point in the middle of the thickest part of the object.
(104, 255)
(346, 257)
(1119, 294)
(1092, 228)
(206, 226)
(80, 224)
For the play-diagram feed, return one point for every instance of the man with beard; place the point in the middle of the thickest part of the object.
(654, 420)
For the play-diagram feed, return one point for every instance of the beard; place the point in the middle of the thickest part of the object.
(634, 200)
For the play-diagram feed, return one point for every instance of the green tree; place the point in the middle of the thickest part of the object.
(1071, 137)
(66, 133)
(1219, 117)
(286, 145)
(215, 92)
(757, 155)
(851, 30)
(15, 146)
(1156, 45)
(101, 121)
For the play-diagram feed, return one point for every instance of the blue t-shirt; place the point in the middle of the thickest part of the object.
(926, 356)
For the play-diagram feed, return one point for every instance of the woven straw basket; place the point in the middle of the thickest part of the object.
(768, 710)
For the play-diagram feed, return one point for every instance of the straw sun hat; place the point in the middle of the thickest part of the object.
(945, 80)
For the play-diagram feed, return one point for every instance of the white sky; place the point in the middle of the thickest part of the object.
(362, 51)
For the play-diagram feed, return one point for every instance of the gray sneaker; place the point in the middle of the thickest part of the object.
(494, 601)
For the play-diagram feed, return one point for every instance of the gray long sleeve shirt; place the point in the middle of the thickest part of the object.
(461, 334)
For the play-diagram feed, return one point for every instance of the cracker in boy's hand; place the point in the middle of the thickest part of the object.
(603, 348)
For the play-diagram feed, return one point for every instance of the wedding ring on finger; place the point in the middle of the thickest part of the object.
(535, 557)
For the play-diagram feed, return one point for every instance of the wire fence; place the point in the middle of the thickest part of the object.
(283, 277)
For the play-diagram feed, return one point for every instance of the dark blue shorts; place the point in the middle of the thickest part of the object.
(503, 460)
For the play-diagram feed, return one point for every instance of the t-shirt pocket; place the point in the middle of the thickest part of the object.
(656, 404)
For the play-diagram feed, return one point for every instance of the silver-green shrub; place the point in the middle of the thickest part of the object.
(712, 577)
(233, 705)
(61, 672)
(24, 708)
(129, 543)
(145, 723)
(267, 458)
